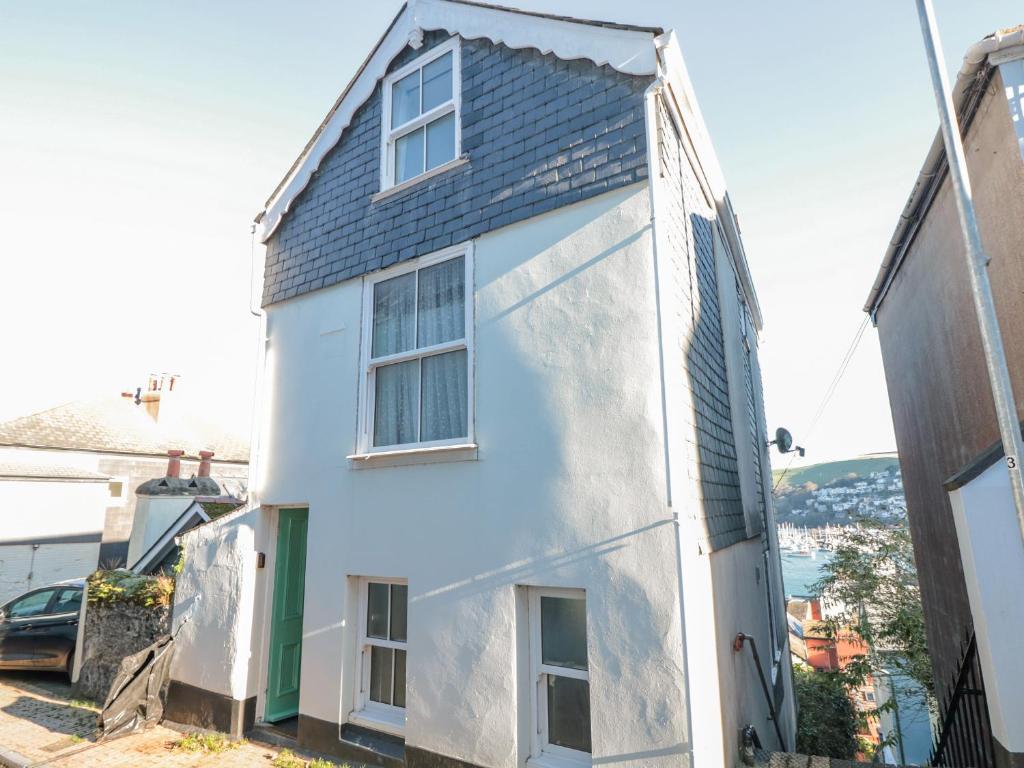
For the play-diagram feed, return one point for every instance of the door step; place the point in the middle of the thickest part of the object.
(281, 734)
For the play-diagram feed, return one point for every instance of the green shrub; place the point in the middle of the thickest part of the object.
(123, 586)
(827, 721)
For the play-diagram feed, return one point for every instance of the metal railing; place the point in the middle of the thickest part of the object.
(964, 738)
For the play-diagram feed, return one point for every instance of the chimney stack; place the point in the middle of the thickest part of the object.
(159, 396)
(174, 463)
(204, 463)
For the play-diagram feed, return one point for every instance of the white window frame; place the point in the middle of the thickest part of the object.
(369, 365)
(542, 753)
(389, 135)
(368, 713)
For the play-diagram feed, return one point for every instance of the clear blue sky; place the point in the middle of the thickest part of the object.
(137, 141)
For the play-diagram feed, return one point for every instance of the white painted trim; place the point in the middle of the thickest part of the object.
(146, 559)
(629, 51)
(543, 754)
(1014, 53)
(373, 714)
(368, 366)
(414, 451)
(397, 189)
(367, 718)
(269, 519)
(389, 136)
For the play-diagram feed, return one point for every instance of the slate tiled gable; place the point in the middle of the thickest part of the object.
(539, 133)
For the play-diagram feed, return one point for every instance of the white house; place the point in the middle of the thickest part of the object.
(512, 483)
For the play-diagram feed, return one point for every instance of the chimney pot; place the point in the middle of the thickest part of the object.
(204, 463)
(174, 463)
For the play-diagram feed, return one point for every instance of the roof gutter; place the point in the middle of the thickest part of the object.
(971, 81)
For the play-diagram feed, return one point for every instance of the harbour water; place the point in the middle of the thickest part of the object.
(800, 571)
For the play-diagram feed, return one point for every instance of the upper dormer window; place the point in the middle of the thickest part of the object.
(421, 116)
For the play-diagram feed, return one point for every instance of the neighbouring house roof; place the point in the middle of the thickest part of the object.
(117, 425)
(179, 486)
(625, 48)
(17, 471)
(967, 91)
(163, 552)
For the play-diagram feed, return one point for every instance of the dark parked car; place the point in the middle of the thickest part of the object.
(38, 629)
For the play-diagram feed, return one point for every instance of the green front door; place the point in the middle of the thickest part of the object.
(286, 623)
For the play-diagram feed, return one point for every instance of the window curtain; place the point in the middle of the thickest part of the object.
(442, 317)
(442, 303)
(393, 318)
(395, 414)
(444, 396)
(421, 400)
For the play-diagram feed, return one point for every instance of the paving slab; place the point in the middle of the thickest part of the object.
(41, 724)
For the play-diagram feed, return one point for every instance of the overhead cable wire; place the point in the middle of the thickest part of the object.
(829, 392)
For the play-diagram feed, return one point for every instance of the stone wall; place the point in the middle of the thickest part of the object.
(113, 631)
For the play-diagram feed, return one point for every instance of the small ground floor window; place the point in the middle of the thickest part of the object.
(382, 653)
(558, 664)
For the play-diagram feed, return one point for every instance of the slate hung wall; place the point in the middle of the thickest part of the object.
(539, 133)
(689, 229)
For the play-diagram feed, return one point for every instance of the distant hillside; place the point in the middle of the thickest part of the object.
(822, 474)
(842, 492)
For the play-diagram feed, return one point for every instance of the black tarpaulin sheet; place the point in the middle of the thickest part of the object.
(135, 701)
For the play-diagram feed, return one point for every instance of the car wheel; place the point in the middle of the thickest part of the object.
(69, 668)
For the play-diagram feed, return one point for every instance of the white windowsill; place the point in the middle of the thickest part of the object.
(378, 723)
(412, 451)
(398, 188)
(557, 761)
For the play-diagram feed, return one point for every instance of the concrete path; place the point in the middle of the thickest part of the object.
(42, 725)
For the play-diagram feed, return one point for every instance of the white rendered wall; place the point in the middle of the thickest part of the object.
(153, 516)
(738, 576)
(993, 559)
(568, 490)
(42, 512)
(213, 603)
(723, 591)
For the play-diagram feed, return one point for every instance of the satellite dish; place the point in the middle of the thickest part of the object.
(783, 440)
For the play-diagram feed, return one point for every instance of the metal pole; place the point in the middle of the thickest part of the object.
(977, 262)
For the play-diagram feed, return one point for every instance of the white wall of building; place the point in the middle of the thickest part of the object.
(153, 516)
(992, 553)
(568, 490)
(213, 606)
(36, 515)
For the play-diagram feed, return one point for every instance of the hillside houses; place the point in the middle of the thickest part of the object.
(878, 494)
